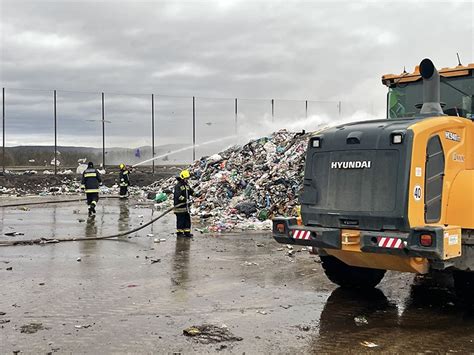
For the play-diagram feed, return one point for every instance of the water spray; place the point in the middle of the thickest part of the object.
(184, 149)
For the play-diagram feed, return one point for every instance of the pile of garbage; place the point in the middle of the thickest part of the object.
(243, 187)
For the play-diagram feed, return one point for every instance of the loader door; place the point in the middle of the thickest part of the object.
(434, 179)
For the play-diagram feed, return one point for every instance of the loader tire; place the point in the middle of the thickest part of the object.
(464, 286)
(350, 276)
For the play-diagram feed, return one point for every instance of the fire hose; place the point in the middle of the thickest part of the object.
(43, 241)
(18, 204)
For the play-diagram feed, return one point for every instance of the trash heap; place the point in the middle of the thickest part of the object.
(244, 186)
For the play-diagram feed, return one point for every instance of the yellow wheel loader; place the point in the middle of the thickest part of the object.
(398, 193)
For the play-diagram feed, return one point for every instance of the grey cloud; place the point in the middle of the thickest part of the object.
(262, 49)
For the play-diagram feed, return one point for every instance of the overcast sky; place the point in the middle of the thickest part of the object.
(330, 51)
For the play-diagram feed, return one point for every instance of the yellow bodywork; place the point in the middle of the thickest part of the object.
(458, 159)
(460, 70)
(457, 210)
(351, 254)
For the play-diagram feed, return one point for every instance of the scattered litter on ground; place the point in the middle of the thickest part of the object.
(4, 321)
(78, 259)
(31, 328)
(248, 263)
(208, 333)
(9, 268)
(304, 328)
(262, 312)
(368, 344)
(13, 234)
(85, 326)
(361, 320)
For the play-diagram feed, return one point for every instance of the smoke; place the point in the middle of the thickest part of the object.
(259, 128)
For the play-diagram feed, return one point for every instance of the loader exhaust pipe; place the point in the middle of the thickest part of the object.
(431, 95)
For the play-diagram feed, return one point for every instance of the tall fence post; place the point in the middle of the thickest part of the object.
(273, 110)
(236, 112)
(194, 128)
(55, 137)
(152, 132)
(103, 132)
(306, 109)
(3, 131)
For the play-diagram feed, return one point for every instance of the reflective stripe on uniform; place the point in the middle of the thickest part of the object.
(94, 202)
(90, 175)
(180, 230)
(187, 230)
(91, 191)
(180, 210)
(123, 184)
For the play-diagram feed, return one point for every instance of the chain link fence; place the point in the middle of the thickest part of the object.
(56, 129)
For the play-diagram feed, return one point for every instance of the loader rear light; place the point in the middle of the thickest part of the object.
(280, 228)
(316, 142)
(426, 240)
(397, 138)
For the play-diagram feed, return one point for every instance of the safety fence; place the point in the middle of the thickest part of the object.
(54, 129)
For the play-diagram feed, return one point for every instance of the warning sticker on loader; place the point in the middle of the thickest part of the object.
(417, 193)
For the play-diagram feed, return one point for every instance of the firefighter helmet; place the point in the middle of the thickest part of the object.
(184, 174)
(122, 166)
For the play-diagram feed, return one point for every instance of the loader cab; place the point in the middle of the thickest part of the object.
(404, 97)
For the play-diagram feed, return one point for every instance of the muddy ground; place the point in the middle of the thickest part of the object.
(241, 291)
(36, 183)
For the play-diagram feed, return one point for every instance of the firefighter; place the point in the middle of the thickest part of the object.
(124, 181)
(182, 194)
(91, 181)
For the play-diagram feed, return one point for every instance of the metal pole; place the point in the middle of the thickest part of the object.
(153, 132)
(273, 110)
(194, 128)
(55, 137)
(103, 132)
(236, 115)
(340, 108)
(306, 109)
(3, 124)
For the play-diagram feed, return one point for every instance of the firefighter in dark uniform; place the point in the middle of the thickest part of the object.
(182, 194)
(124, 181)
(91, 181)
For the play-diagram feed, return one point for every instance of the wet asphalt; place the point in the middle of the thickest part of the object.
(137, 296)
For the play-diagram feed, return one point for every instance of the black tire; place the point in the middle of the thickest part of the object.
(350, 276)
(464, 286)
